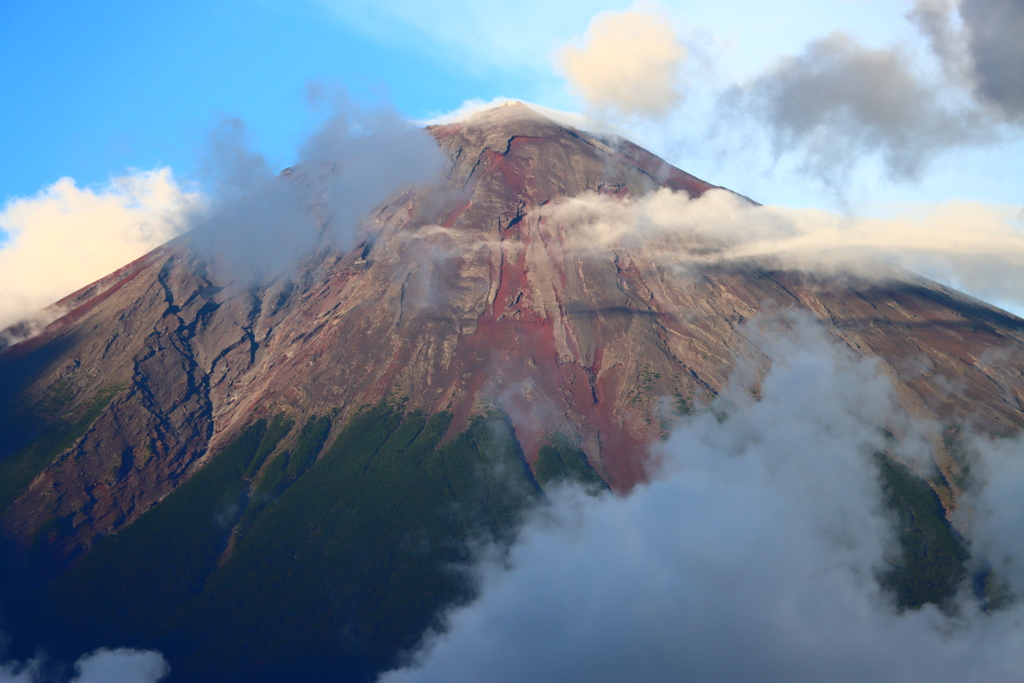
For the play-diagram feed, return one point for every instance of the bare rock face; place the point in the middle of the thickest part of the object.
(461, 298)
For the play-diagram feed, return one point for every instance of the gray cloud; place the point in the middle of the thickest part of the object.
(933, 18)
(263, 225)
(233, 168)
(983, 52)
(839, 101)
(996, 44)
(753, 556)
(259, 225)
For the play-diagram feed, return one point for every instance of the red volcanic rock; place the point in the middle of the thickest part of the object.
(461, 298)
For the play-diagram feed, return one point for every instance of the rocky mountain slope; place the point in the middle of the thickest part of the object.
(460, 303)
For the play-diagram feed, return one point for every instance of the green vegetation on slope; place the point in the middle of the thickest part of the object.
(353, 562)
(934, 558)
(130, 582)
(560, 461)
(18, 469)
(279, 428)
(337, 566)
(680, 405)
(285, 468)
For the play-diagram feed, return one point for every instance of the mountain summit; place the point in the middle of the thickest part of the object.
(202, 462)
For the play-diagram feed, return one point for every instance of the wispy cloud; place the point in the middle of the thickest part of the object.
(839, 103)
(974, 246)
(829, 109)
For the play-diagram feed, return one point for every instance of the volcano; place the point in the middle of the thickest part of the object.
(274, 479)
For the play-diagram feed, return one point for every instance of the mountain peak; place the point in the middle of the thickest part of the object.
(576, 160)
(465, 311)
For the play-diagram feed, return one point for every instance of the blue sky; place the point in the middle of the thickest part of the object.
(94, 89)
(851, 106)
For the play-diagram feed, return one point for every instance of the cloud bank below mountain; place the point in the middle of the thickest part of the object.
(753, 555)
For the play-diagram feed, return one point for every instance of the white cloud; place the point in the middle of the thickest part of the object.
(467, 110)
(752, 556)
(629, 63)
(121, 666)
(102, 666)
(994, 507)
(977, 247)
(263, 225)
(66, 236)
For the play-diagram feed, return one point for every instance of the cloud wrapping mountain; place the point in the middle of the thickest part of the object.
(992, 508)
(974, 246)
(262, 226)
